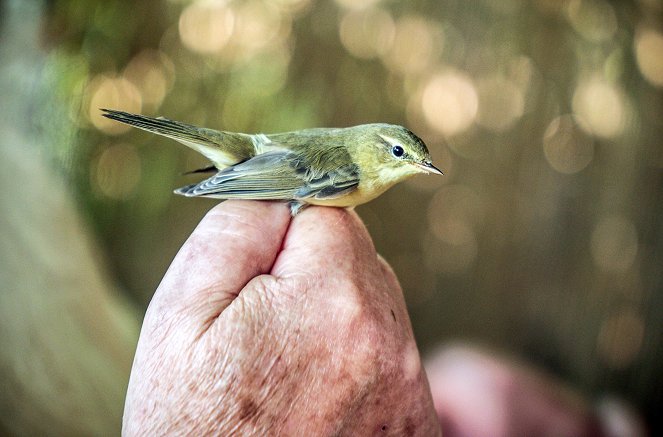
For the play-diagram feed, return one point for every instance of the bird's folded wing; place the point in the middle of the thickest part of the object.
(276, 175)
(222, 148)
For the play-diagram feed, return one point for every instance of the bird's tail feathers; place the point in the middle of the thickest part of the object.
(161, 125)
(222, 148)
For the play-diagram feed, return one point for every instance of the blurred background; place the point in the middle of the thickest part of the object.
(544, 239)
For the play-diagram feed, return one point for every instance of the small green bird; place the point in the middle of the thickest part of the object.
(341, 167)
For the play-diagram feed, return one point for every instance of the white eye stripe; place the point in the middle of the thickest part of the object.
(396, 147)
(389, 140)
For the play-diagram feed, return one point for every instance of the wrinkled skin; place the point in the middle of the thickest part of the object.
(267, 325)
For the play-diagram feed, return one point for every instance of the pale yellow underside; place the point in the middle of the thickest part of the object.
(371, 187)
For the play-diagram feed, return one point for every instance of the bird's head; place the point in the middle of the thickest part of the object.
(395, 153)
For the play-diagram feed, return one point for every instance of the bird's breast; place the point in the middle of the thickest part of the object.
(365, 192)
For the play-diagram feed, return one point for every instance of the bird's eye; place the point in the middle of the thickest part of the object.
(397, 151)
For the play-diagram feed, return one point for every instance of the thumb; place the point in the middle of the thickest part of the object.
(236, 241)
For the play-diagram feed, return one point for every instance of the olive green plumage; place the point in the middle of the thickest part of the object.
(323, 166)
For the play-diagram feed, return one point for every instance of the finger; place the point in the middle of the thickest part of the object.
(390, 277)
(511, 398)
(235, 242)
(324, 239)
(393, 295)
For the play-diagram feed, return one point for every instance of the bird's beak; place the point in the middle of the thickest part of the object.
(428, 167)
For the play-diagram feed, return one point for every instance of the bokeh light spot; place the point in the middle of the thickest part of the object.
(115, 93)
(501, 104)
(567, 148)
(614, 244)
(600, 108)
(416, 40)
(594, 20)
(206, 26)
(153, 73)
(367, 33)
(450, 102)
(258, 25)
(649, 55)
(117, 171)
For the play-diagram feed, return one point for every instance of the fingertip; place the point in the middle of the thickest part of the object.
(235, 241)
(342, 221)
(321, 236)
(246, 212)
(250, 226)
(389, 274)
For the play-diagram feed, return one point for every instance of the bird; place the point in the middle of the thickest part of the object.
(338, 167)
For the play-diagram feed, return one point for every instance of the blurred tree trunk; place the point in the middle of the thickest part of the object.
(66, 340)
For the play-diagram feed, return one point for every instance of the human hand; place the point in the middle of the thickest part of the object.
(477, 393)
(267, 325)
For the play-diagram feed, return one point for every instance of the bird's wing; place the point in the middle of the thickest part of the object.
(222, 148)
(277, 175)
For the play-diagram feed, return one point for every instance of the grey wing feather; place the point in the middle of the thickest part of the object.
(331, 185)
(275, 175)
